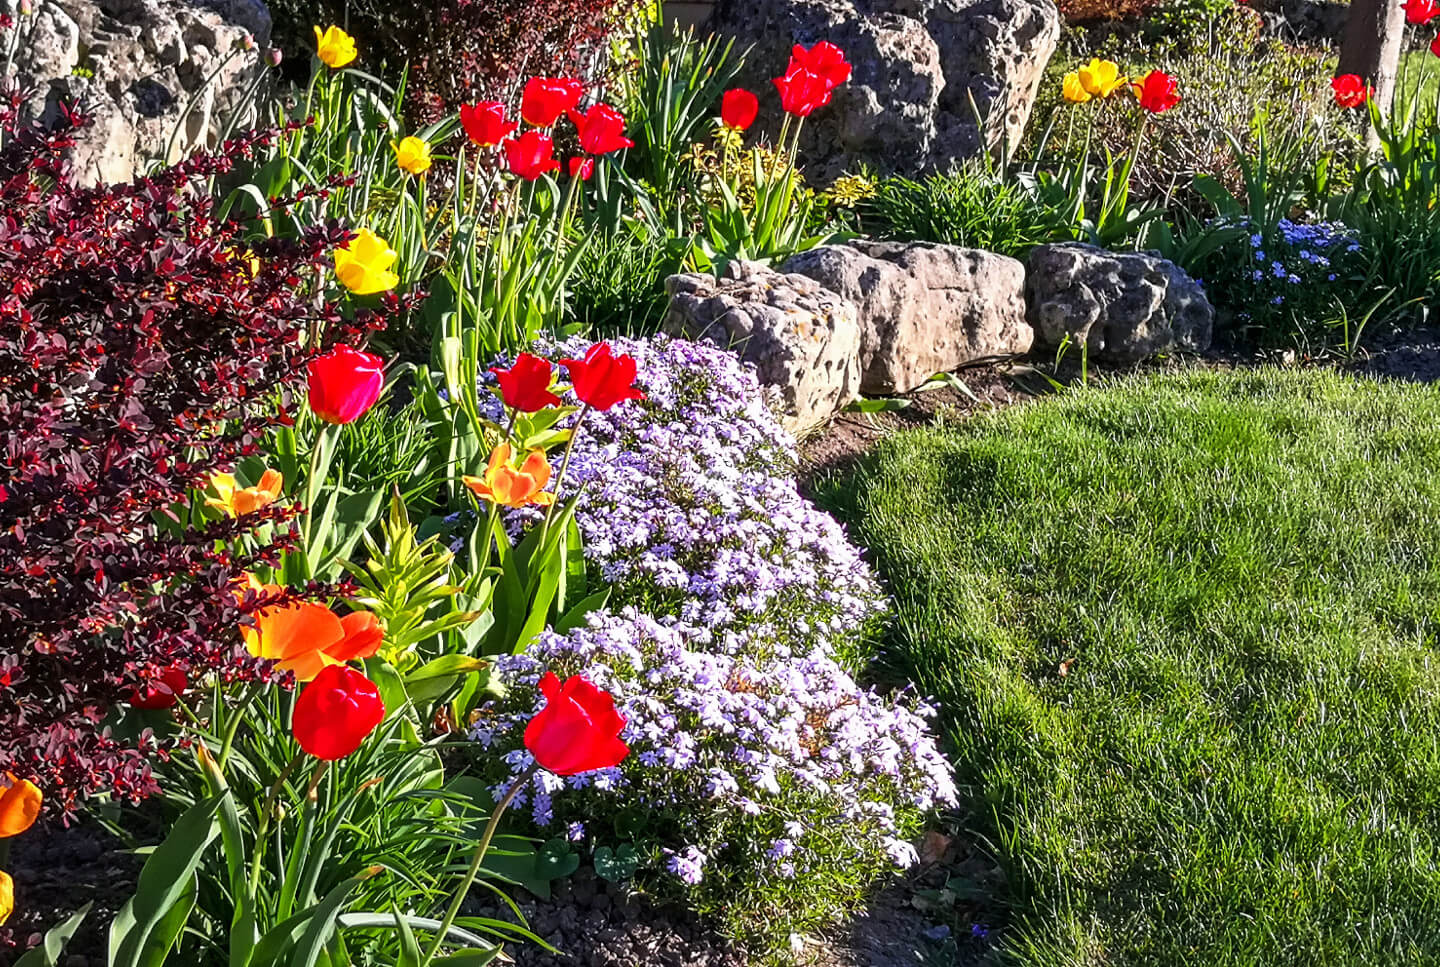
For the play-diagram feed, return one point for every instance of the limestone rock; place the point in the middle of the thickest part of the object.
(923, 308)
(1124, 306)
(917, 66)
(159, 78)
(802, 339)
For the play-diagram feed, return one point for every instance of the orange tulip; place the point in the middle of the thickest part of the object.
(303, 637)
(238, 501)
(503, 484)
(19, 806)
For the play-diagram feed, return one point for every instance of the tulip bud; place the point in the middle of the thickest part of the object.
(26, 8)
(336, 712)
(344, 384)
(274, 55)
(578, 730)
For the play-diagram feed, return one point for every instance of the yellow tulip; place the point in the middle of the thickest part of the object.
(7, 897)
(334, 47)
(1101, 78)
(19, 806)
(236, 500)
(413, 155)
(503, 484)
(363, 265)
(1073, 90)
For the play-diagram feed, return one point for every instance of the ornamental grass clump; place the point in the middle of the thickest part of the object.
(762, 776)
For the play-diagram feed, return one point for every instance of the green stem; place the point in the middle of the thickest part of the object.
(454, 911)
(237, 715)
(312, 486)
(265, 813)
(564, 466)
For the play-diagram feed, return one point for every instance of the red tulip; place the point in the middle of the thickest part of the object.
(335, 712)
(802, 92)
(582, 168)
(531, 155)
(738, 109)
(602, 130)
(1157, 92)
(578, 730)
(603, 379)
(344, 384)
(1350, 90)
(1421, 12)
(485, 123)
(546, 98)
(824, 59)
(526, 385)
(162, 691)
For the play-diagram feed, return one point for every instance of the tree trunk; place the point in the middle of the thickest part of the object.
(1374, 33)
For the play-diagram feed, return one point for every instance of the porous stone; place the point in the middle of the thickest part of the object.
(934, 82)
(923, 308)
(1123, 306)
(158, 78)
(803, 339)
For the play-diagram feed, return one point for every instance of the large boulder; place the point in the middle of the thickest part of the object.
(1123, 306)
(935, 81)
(802, 339)
(923, 308)
(159, 78)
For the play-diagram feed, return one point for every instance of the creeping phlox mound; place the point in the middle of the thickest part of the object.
(727, 644)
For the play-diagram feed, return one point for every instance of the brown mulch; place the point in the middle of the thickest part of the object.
(991, 384)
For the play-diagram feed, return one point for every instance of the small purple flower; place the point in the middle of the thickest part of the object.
(687, 865)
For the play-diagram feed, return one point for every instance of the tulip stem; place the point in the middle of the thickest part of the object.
(265, 814)
(480, 850)
(564, 465)
(237, 715)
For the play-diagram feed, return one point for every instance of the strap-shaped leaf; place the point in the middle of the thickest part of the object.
(50, 949)
(165, 881)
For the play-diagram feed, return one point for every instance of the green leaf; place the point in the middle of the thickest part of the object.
(575, 617)
(319, 922)
(556, 859)
(447, 666)
(162, 939)
(877, 406)
(473, 957)
(50, 949)
(410, 955)
(352, 517)
(165, 881)
(616, 865)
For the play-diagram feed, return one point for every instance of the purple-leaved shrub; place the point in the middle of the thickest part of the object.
(759, 764)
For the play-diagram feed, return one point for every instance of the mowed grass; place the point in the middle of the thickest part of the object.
(1183, 631)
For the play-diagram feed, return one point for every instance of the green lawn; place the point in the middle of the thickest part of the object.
(1185, 634)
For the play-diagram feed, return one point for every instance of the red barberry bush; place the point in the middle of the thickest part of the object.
(144, 345)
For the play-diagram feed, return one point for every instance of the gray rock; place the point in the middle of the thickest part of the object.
(160, 78)
(1124, 306)
(923, 308)
(802, 339)
(934, 82)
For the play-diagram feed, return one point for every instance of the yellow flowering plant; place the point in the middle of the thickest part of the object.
(364, 264)
(412, 154)
(1101, 78)
(235, 500)
(334, 47)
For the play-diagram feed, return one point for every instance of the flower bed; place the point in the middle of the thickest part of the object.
(737, 615)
